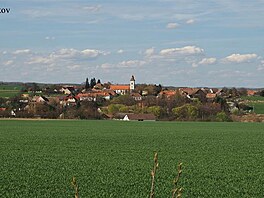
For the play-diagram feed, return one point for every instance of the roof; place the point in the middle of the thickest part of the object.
(98, 86)
(189, 91)
(132, 78)
(251, 92)
(119, 87)
(168, 92)
(211, 95)
(141, 116)
(135, 95)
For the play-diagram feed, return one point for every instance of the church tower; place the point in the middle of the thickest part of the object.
(132, 83)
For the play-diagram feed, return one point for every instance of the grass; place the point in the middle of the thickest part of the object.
(7, 91)
(253, 98)
(258, 107)
(10, 87)
(257, 102)
(114, 158)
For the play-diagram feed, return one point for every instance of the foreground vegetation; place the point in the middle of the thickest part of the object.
(114, 158)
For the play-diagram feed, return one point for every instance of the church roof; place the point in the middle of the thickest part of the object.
(132, 78)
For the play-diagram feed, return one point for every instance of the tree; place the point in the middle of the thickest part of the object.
(98, 81)
(113, 109)
(222, 117)
(242, 91)
(35, 87)
(186, 112)
(93, 82)
(124, 99)
(261, 93)
(87, 85)
(156, 110)
(209, 110)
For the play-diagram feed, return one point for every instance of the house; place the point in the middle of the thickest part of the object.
(98, 86)
(192, 93)
(95, 94)
(139, 117)
(40, 99)
(251, 92)
(136, 96)
(167, 93)
(67, 90)
(120, 89)
(68, 100)
(211, 96)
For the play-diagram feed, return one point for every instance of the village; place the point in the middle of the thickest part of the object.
(131, 101)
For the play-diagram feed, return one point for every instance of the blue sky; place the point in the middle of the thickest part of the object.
(172, 42)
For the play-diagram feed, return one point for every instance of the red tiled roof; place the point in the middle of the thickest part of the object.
(189, 91)
(211, 95)
(168, 92)
(251, 92)
(119, 87)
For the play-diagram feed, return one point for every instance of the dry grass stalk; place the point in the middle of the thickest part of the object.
(153, 173)
(177, 192)
(75, 186)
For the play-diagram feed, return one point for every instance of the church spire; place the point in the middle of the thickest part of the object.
(132, 83)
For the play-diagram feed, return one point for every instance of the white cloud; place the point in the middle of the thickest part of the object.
(50, 38)
(22, 51)
(7, 63)
(92, 53)
(172, 25)
(107, 65)
(207, 61)
(190, 21)
(261, 66)
(240, 58)
(187, 50)
(73, 67)
(124, 64)
(73, 53)
(92, 8)
(204, 61)
(149, 51)
(120, 51)
(131, 63)
(40, 60)
(65, 55)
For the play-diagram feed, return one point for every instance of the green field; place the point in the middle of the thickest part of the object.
(114, 158)
(257, 102)
(7, 91)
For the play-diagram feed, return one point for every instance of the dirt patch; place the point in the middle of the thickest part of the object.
(249, 118)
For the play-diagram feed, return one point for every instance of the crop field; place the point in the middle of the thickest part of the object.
(114, 158)
(257, 102)
(9, 90)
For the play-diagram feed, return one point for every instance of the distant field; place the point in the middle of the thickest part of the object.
(257, 102)
(114, 158)
(258, 107)
(9, 90)
(253, 98)
(10, 87)
(8, 93)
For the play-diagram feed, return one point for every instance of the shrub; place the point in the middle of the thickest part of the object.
(222, 117)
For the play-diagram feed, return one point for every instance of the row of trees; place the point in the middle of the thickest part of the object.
(178, 107)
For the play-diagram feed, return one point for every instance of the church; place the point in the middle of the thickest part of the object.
(125, 89)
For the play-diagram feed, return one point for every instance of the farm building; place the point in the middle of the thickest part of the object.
(139, 117)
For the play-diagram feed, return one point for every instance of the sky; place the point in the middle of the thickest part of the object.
(212, 43)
